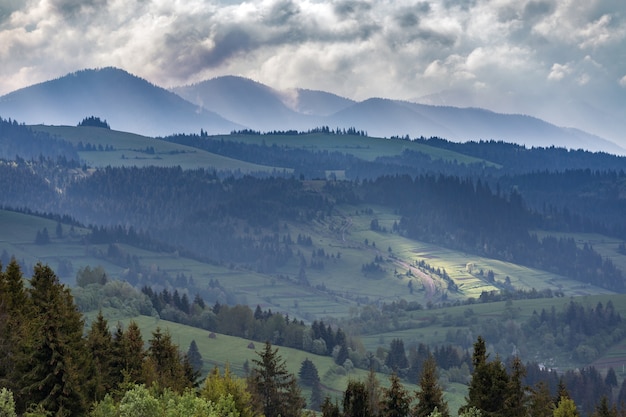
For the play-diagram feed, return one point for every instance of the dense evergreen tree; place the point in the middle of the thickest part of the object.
(53, 364)
(330, 409)
(164, 363)
(540, 403)
(396, 399)
(516, 392)
(100, 372)
(355, 400)
(430, 394)
(396, 358)
(373, 392)
(275, 390)
(604, 409)
(194, 356)
(489, 385)
(131, 351)
(308, 373)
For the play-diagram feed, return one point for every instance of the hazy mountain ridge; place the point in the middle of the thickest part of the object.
(127, 102)
(228, 103)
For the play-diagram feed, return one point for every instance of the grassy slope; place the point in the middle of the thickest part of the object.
(343, 233)
(363, 147)
(225, 349)
(129, 150)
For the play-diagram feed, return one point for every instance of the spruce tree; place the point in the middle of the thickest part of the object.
(164, 364)
(101, 378)
(540, 403)
(133, 354)
(13, 307)
(355, 400)
(430, 394)
(53, 364)
(308, 373)
(604, 409)
(194, 356)
(373, 392)
(489, 384)
(515, 399)
(396, 399)
(274, 389)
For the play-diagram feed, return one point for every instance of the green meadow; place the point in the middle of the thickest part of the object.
(129, 149)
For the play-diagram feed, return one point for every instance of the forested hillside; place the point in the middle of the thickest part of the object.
(344, 246)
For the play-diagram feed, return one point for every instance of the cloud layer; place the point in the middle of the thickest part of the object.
(549, 58)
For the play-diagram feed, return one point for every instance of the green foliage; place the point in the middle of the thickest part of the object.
(194, 356)
(217, 386)
(355, 400)
(430, 395)
(565, 408)
(274, 389)
(87, 275)
(7, 403)
(53, 357)
(488, 387)
(164, 363)
(101, 375)
(396, 399)
(308, 373)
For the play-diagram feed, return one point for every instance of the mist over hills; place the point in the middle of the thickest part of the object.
(228, 103)
(127, 102)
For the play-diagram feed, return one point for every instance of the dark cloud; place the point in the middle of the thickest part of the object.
(282, 12)
(349, 8)
(537, 9)
(233, 41)
(73, 8)
(7, 7)
(407, 20)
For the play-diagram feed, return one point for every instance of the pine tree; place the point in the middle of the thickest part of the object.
(13, 332)
(396, 359)
(396, 399)
(164, 364)
(604, 409)
(515, 400)
(274, 389)
(100, 348)
(133, 354)
(540, 402)
(53, 365)
(430, 395)
(355, 400)
(308, 373)
(316, 396)
(330, 409)
(195, 358)
(489, 383)
(373, 392)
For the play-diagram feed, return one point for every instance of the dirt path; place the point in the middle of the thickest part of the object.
(427, 280)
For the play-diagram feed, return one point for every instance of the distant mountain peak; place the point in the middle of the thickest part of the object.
(127, 101)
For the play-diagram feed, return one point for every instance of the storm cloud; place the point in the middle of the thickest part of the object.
(546, 58)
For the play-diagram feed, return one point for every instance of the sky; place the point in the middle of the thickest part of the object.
(562, 60)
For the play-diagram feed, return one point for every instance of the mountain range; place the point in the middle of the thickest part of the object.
(224, 104)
